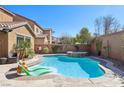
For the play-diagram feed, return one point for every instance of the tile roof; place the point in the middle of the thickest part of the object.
(11, 25)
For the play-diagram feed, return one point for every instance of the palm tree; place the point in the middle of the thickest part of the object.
(23, 49)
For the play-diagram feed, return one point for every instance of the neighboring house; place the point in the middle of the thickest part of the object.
(14, 27)
(55, 40)
(12, 32)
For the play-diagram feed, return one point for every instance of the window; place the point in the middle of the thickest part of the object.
(37, 31)
(28, 39)
(41, 32)
(20, 39)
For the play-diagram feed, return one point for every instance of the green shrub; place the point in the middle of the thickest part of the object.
(31, 53)
(55, 49)
(22, 49)
(46, 50)
(98, 46)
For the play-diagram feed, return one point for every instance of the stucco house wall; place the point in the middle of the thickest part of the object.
(21, 18)
(49, 37)
(37, 30)
(3, 44)
(39, 41)
(12, 38)
(7, 40)
(5, 17)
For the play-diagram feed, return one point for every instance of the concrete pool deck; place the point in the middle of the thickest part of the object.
(53, 80)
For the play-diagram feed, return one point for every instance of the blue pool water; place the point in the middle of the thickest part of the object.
(74, 67)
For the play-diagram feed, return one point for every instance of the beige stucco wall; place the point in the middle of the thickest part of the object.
(12, 37)
(40, 31)
(39, 41)
(19, 18)
(49, 37)
(3, 44)
(32, 24)
(116, 44)
(35, 27)
(5, 17)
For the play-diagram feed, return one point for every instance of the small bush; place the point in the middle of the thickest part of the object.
(31, 53)
(46, 50)
(55, 49)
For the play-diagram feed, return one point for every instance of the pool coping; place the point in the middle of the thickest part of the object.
(110, 65)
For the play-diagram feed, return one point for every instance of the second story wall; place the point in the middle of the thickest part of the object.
(37, 30)
(5, 17)
(21, 18)
(49, 33)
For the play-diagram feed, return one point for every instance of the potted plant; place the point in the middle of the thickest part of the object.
(3, 60)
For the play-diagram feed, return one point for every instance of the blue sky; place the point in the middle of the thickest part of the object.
(67, 19)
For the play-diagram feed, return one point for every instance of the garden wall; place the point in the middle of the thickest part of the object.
(112, 46)
(62, 48)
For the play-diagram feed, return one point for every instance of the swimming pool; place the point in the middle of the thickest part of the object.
(73, 67)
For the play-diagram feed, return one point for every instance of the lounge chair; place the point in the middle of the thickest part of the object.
(35, 71)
